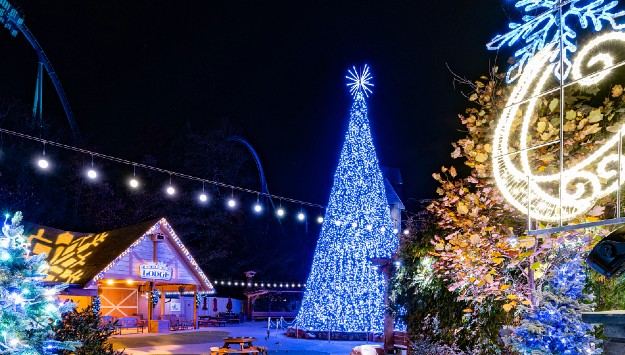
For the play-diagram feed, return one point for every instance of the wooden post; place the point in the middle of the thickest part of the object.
(162, 300)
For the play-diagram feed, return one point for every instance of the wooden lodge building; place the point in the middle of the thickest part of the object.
(121, 267)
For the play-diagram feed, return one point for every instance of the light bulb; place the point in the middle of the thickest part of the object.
(134, 183)
(301, 216)
(319, 219)
(232, 203)
(43, 163)
(258, 208)
(92, 174)
(406, 232)
(395, 230)
(280, 212)
(171, 190)
(203, 197)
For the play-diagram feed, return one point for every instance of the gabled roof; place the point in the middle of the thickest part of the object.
(82, 258)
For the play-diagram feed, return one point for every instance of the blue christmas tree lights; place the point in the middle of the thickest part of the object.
(555, 326)
(345, 291)
(537, 31)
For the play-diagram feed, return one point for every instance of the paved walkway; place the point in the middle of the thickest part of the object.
(276, 341)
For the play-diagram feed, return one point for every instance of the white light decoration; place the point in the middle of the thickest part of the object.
(134, 183)
(395, 230)
(301, 216)
(587, 180)
(280, 212)
(320, 219)
(170, 190)
(406, 232)
(203, 197)
(43, 163)
(258, 208)
(92, 174)
(232, 203)
(343, 290)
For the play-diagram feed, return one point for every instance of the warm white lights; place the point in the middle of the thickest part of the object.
(170, 190)
(585, 181)
(319, 219)
(134, 183)
(406, 232)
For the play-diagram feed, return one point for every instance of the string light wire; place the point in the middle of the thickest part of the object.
(153, 168)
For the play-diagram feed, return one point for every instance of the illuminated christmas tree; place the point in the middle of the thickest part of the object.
(555, 326)
(345, 291)
(28, 308)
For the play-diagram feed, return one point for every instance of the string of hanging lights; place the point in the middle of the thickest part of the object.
(44, 163)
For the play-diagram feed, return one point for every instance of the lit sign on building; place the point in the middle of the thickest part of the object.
(156, 271)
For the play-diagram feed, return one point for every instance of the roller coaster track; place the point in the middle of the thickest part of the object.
(14, 22)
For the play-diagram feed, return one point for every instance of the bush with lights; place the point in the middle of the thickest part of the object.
(86, 326)
(555, 326)
(29, 309)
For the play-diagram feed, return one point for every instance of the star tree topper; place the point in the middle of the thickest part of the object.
(359, 81)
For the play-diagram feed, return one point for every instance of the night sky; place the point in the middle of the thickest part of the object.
(276, 68)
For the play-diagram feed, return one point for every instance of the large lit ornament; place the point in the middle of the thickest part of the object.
(585, 181)
(539, 31)
(359, 81)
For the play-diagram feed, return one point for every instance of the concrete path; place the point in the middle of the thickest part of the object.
(275, 341)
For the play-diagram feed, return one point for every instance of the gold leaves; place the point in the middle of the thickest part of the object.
(553, 105)
(504, 287)
(571, 114)
(595, 116)
(617, 91)
(481, 157)
(527, 242)
(474, 239)
(462, 208)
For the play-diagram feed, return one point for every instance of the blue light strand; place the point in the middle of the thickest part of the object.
(535, 32)
(345, 291)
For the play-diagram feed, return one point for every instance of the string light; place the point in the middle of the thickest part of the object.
(134, 183)
(257, 207)
(280, 210)
(42, 162)
(231, 201)
(301, 216)
(319, 219)
(203, 197)
(170, 189)
(92, 173)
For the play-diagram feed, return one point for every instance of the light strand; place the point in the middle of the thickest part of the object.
(154, 168)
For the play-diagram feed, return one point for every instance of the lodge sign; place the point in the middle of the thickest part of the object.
(156, 271)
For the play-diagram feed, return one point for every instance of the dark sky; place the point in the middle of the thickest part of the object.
(275, 67)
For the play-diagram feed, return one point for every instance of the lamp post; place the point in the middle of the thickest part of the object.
(384, 266)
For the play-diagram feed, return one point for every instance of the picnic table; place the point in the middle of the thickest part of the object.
(240, 345)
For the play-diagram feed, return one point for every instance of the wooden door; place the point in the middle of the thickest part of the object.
(119, 301)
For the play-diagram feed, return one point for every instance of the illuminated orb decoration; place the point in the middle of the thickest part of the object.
(170, 190)
(280, 212)
(540, 27)
(258, 208)
(232, 203)
(345, 291)
(320, 219)
(92, 174)
(584, 182)
(301, 216)
(203, 197)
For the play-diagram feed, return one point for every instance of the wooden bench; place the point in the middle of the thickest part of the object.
(400, 342)
(130, 323)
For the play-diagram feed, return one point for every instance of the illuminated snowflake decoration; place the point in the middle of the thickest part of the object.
(359, 80)
(538, 31)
